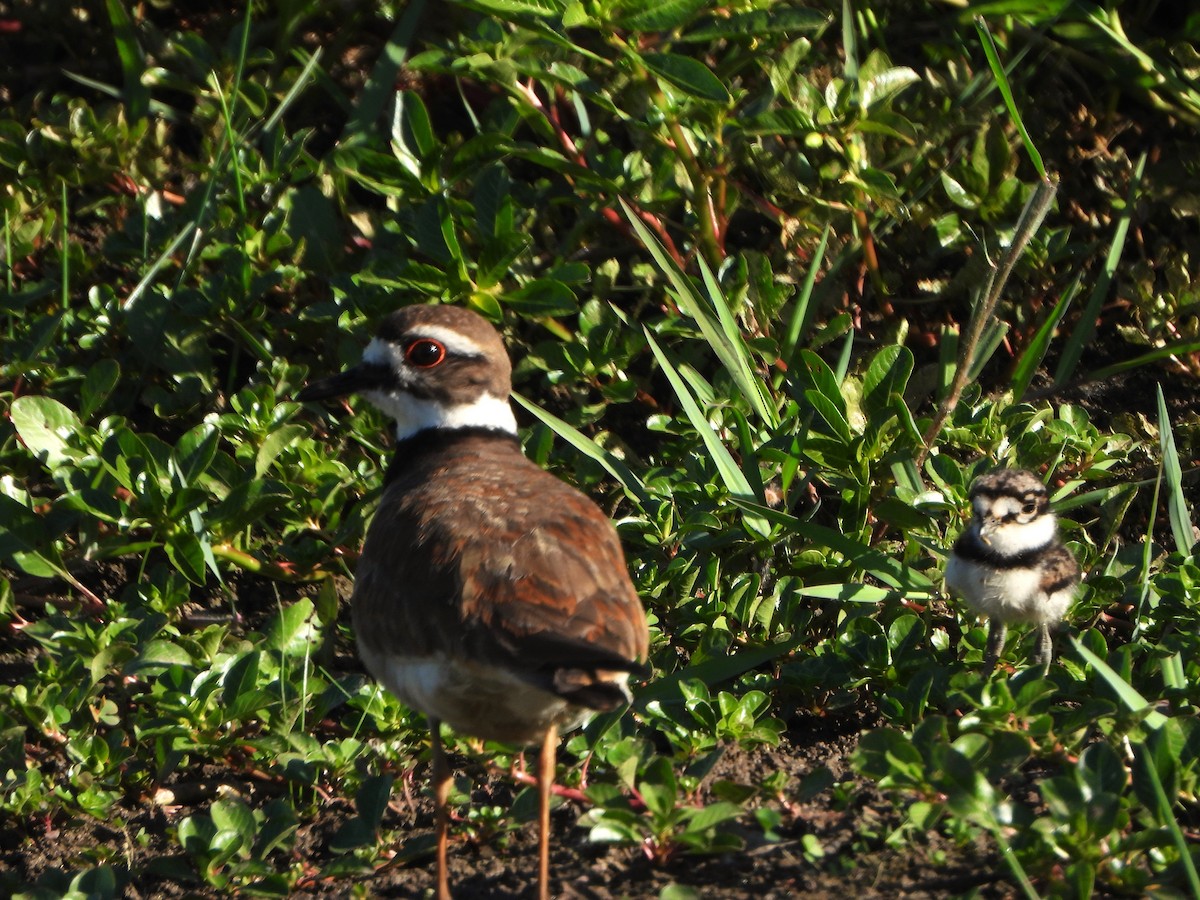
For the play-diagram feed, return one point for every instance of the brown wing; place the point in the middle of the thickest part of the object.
(1059, 569)
(445, 569)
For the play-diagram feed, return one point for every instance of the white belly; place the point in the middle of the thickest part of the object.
(1010, 595)
(473, 699)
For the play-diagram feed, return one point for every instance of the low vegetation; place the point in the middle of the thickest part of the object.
(736, 251)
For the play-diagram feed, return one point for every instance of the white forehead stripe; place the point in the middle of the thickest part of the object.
(380, 353)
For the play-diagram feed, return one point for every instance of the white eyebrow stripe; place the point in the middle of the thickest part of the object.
(454, 341)
(382, 352)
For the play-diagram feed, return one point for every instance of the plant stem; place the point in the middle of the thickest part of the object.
(1031, 219)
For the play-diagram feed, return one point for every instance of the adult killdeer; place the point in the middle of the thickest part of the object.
(1009, 564)
(489, 595)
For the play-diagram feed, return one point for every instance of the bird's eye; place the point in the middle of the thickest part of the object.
(425, 353)
(1029, 508)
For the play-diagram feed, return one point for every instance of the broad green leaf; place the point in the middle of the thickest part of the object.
(886, 375)
(713, 815)
(232, 814)
(46, 428)
(886, 84)
(293, 629)
(689, 75)
(194, 452)
(159, 653)
(97, 385)
(274, 444)
(186, 555)
(659, 16)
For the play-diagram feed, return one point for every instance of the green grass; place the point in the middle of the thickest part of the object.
(733, 249)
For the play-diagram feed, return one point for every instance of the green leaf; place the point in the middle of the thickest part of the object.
(46, 428)
(1177, 505)
(232, 814)
(886, 375)
(186, 555)
(731, 474)
(157, 654)
(660, 16)
(293, 629)
(713, 815)
(616, 468)
(413, 141)
(97, 385)
(511, 8)
(1126, 693)
(194, 453)
(689, 75)
(1035, 352)
(274, 444)
(882, 87)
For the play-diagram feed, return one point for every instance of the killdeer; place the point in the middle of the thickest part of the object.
(1009, 564)
(489, 595)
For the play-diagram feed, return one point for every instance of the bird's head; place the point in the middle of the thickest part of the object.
(430, 367)
(1011, 509)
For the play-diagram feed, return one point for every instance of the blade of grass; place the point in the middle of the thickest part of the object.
(731, 474)
(133, 61)
(1126, 693)
(160, 109)
(382, 84)
(1177, 508)
(800, 310)
(726, 343)
(65, 246)
(1032, 216)
(163, 258)
(301, 82)
(1036, 351)
(1144, 573)
(1166, 815)
(1082, 336)
(1180, 348)
(736, 343)
(1001, 76)
(589, 448)
(878, 565)
(993, 336)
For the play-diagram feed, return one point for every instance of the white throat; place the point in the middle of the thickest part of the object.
(1013, 539)
(412, 414)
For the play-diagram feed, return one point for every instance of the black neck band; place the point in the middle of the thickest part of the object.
(969, 546)
(438, 440)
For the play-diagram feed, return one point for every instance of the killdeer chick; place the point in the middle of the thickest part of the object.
(1009, 564)
(489, 595)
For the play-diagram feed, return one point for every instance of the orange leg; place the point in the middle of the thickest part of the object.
(546, 767)
(441, 794)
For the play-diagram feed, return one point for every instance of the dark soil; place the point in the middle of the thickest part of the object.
(851, 835)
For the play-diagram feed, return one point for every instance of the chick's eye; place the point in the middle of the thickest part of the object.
(1029, 508)
(425, 353)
